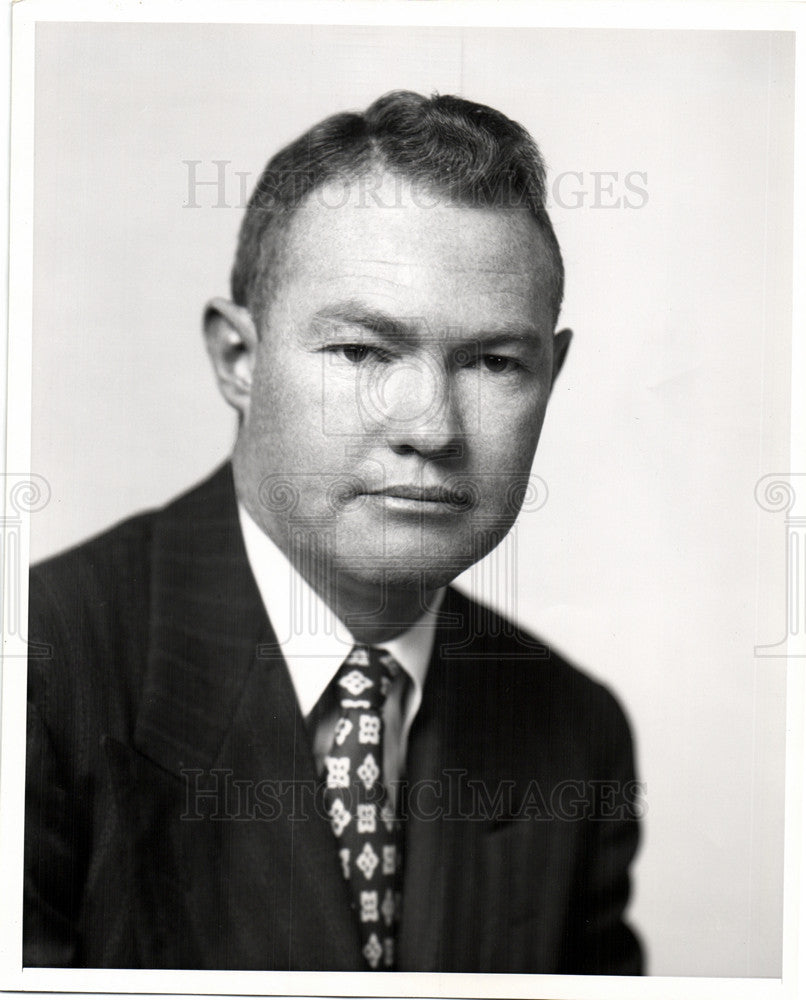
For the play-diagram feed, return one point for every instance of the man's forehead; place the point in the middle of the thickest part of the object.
(418, 294)
(402, 271)
(449, 265)
(386, 221)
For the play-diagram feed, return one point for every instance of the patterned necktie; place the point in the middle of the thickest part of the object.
(367, 833)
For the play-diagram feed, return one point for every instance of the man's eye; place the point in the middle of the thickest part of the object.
(496, 364)
(356, 353)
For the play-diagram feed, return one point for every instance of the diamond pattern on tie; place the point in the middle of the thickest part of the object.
(355, 682)
(373, 951)
(368, 772)
(339, 817)
(367, 861)
(367, 833)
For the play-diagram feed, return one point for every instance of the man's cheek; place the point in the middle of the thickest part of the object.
(506, 455)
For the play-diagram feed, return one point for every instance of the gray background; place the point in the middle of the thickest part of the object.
(650, 563)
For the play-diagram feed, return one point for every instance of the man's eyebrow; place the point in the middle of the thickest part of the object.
(353, 313)
(383, 324)
(529, 335)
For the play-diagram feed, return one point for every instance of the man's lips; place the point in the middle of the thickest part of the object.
(456, 499)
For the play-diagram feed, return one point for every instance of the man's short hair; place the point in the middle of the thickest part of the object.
(469, 152)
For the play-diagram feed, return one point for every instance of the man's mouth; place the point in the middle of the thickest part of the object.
(425, 497)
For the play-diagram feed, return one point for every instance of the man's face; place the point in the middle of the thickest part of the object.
(399, 385)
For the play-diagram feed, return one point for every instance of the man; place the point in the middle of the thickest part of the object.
(270, 735)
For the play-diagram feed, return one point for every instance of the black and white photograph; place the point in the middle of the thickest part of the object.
(403, 556)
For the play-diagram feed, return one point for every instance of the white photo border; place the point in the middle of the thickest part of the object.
(627, 16)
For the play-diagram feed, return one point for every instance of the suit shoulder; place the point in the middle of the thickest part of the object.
(87, 606)
(98, 592)
(91, 608)
(534, 676)
(94, 569)
(117, 557)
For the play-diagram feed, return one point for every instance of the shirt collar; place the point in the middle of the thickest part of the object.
(313, 640)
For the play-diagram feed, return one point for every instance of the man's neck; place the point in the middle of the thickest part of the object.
(373, 610)
(376, 613)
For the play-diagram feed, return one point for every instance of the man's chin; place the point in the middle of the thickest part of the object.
(424, 578)
(409, 559)
(409, 569)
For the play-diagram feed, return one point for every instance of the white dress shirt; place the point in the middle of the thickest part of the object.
(315, 643)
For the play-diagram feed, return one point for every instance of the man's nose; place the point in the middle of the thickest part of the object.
(418, 409)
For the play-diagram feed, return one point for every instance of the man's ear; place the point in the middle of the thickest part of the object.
(562, 341)
(232, 341)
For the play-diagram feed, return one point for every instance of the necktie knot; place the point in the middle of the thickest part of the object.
(364, 679)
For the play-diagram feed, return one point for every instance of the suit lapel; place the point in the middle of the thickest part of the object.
(285, 875)
(438, 880)
(424, 882)
(475, 882)
(206, 619)
(219, 712)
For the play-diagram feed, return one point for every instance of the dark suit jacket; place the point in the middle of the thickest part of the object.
(164, 680)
